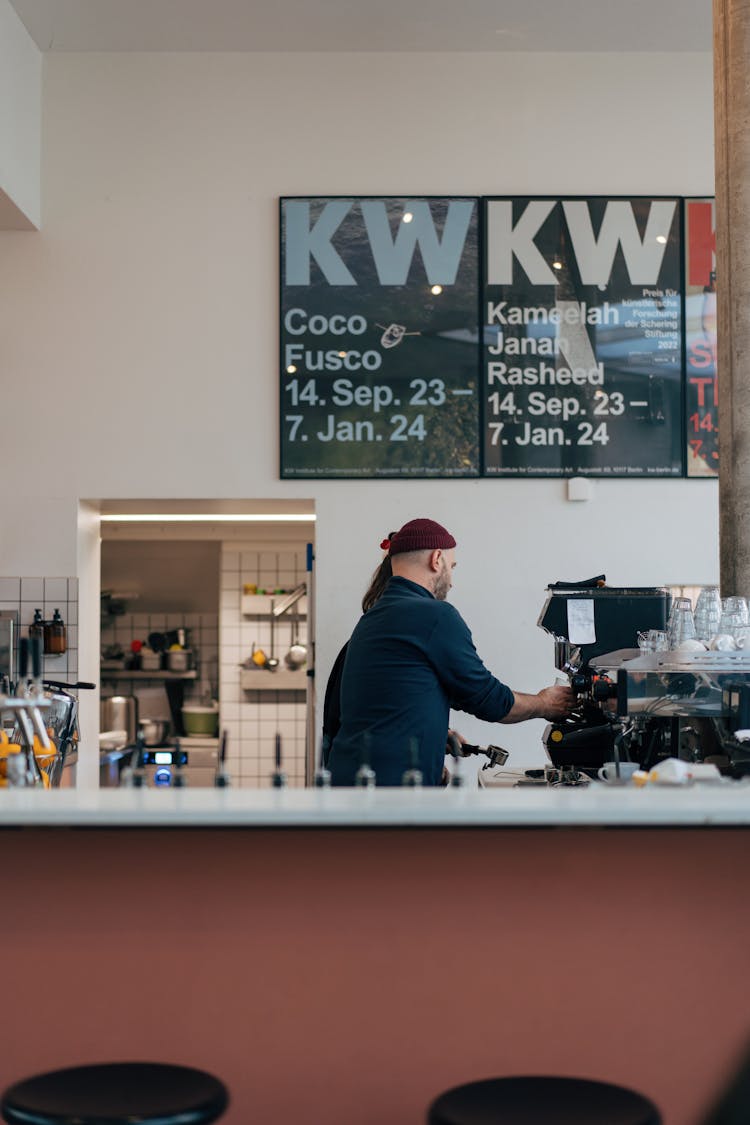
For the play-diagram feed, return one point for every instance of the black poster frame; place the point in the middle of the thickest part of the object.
(678, 420)
(587, 414)
(473, 364)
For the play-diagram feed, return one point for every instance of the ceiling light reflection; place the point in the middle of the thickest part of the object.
(210, 517)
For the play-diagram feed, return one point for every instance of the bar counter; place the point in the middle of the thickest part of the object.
(719, 804)
(336, 964)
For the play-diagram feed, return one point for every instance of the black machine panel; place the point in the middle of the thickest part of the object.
(610, 616)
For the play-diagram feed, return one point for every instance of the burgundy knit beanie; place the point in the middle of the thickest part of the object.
(421, 535)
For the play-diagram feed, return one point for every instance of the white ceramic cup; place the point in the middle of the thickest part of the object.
(608, 772)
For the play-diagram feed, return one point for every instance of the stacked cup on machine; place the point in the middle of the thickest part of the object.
(681, 624)
(707, 613)
(734, 619)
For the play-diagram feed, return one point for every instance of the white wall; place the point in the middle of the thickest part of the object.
(20, 123)
(139, 329)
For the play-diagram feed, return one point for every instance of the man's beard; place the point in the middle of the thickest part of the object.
(442, 583)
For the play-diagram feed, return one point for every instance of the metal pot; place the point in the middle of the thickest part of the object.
(179, 660)
(119, 712)
(154, 731)
(297, 656)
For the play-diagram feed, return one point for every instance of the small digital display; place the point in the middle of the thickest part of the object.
(163, 758)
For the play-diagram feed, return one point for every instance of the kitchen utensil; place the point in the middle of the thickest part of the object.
(59, 722)
(200, 721)
(496, 754)
(178, 659)
(157, 641)
(150, 660)
(120, 712)
(278, 777)
(177, 637)
(79, 684)
(286, 603)
(297, 655)
(221, 777)
(154, 731)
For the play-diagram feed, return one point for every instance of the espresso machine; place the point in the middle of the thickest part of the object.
(637, 706)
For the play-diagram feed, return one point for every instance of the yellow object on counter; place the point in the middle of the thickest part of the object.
(6, 746)
(6, 749)
(44, 758)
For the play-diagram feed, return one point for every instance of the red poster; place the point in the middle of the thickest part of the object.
(701, 387)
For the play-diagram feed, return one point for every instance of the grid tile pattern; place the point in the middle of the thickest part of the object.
(253, 719)
(24, 595)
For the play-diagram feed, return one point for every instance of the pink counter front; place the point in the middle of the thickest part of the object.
(347, 975)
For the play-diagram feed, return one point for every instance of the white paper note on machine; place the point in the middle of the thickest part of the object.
(581, 629)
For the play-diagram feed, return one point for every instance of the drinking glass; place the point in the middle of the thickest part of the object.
(736, 605)
(733, 615)
(707, 612)
(658, 640)
(677, 605)
(681, 626)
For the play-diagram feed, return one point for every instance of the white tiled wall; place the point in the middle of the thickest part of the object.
(24, 595)
(252, 719)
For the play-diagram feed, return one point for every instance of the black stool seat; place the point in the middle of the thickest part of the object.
(116, 1094)
(542, 1101)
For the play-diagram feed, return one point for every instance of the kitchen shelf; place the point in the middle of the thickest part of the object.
(261, 605)
(281, 680)
(125, 674)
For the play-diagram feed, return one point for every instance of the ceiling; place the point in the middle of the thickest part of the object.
(361, 25)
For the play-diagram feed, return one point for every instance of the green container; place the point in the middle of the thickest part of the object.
(202, 721)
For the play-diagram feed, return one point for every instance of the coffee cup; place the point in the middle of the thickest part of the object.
(608, 772)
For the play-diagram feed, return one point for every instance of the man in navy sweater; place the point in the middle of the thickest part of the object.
(411, 658)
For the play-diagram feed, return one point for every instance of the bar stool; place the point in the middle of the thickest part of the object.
(116, 1094)
(542, 1101)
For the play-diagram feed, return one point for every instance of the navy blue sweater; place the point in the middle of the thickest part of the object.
(410, 659)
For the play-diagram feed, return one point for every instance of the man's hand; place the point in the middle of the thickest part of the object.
(551, 703)
(455, 743)
(556, 702)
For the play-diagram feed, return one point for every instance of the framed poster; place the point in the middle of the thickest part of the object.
(701, 388)
(380, 353)
(582, 333)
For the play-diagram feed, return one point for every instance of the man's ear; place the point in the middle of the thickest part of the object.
(435, 558)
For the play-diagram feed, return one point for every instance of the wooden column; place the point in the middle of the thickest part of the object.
(732, 145)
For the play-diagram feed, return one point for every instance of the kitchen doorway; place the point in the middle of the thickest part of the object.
(207, 631)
